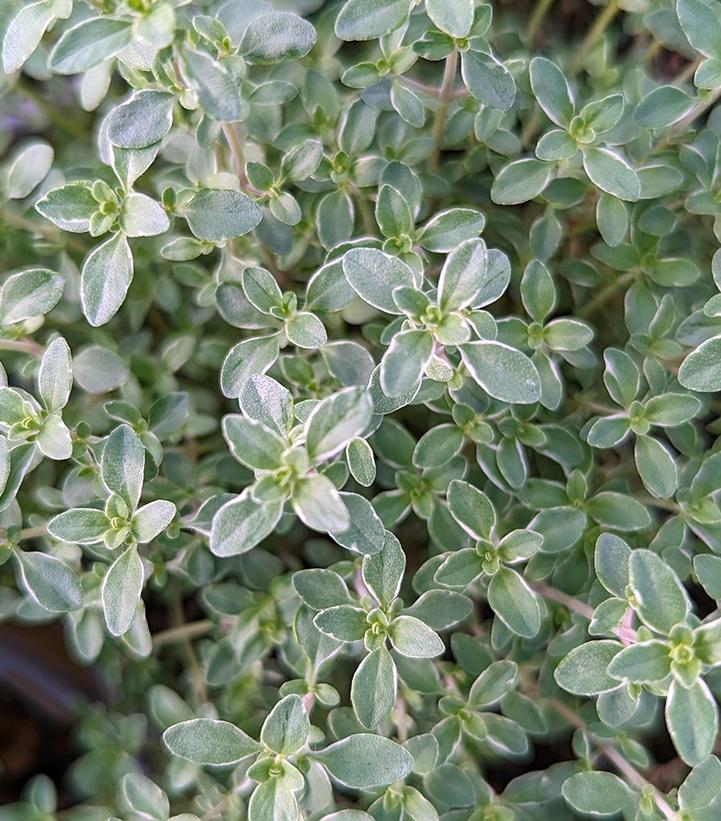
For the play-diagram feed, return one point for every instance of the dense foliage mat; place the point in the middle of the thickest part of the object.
(359, 403)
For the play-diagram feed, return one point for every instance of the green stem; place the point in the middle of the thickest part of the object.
(184, 632)
(537, 17)
(606, 293)
(444, 96)
(596, 31)
(41, 230)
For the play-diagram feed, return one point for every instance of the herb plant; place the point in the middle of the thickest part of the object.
(359, 403)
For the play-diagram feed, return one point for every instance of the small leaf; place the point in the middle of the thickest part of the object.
(373, 689)
(363, 760)
(220, 215)
(514, 603)
(276, 36)
(611, 173)
(49, 581)
(88, 43)
(502, 371)
(335, 421)
(692, 720)
(209, 742)
(121, 589)
(105, 279)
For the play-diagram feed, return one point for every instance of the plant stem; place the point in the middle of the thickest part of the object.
(606, 293)
(177, 619)
(596, 31)
(184, 632)
(444, 96)
(41, 230)
(28, 346)
(625, 632)
(236, 151)
(537, 17)
(632, 775)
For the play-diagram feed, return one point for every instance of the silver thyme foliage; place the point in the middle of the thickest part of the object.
(360, 366)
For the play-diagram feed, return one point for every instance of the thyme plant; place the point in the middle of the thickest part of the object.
(359, 403)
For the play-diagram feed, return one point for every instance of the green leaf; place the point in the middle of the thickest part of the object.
(440, 609)
(374, 275)
(220, 215)
(583, 671)
(701, 23)
(460, 568)
(252, 443)
(471, 508)
(405, 362)
(550, 88)
(305, 330)
(122, 464)
(610, 172)
(502, 371)
(342, 622)
(413, 638)
(24, 33)
(488, 80)
(49, 581)
(209, 742)
(121, 590)
(373, 689)
(335, 421)
(462, 275)
(521, 181)
(661, 600)
(446, 230)
(105, 279)
(144, 797)
(26, 168)
(55, 375)
(286, 728)
(143, 217)
(596, 793)
(496, 681)
(515, 604)
(611, 559)
(251, 357)
(383, 571)
(276, 36)
(393, 214)
(365, 532)
(319, 506)
(216, 89)
(241, 524)
(29, 293)
(88, 43)
(438, 446)
(662, 107)
(79, 526)
(363, 760)
(454, 17)
(369, 19)
(701, 370)
(69, 206)
(361, 461)
(320, 588)
(642, 663)
(152, 519)
(141, 121)
(267, 401)
(656, 466)
(692, 720)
